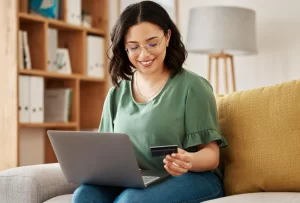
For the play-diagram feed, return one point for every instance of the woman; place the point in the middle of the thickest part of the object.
(157, 102)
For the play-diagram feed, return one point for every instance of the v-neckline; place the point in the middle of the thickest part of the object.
(131, 84)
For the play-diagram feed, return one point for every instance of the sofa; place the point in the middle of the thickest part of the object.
(260, 165)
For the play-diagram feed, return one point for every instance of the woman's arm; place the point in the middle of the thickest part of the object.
(207, 158)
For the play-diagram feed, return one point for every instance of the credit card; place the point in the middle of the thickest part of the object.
(163, 150)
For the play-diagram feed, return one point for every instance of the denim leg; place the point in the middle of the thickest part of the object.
(95, 194)
(188, 188)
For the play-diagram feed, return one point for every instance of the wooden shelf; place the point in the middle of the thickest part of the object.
(92, 79)
(29, 17)
(47, 74)
(48, 125)
(59, 24)
(95, 31)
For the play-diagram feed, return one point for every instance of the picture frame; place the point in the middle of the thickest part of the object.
(171, 7)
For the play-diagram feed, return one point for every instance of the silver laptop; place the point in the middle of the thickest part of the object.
(101, 159)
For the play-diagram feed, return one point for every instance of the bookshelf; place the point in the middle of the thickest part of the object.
(88, 93)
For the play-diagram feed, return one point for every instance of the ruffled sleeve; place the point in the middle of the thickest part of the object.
(201, 117)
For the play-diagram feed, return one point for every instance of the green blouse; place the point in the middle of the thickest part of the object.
(184, 113)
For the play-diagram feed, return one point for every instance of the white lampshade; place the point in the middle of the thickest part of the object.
(222, 29)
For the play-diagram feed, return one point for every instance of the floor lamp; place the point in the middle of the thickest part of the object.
(222, 32)
(225, 58)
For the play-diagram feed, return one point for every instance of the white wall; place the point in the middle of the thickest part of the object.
(278, 42)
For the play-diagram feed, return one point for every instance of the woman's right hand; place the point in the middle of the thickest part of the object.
(178, 163)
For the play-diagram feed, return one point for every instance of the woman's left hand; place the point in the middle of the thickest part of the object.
(178, 163)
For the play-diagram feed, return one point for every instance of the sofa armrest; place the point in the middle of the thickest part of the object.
(33, 184)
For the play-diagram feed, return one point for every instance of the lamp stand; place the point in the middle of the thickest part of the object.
(225, 57)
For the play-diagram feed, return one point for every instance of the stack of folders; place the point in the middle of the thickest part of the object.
(95, 56)
(58, 104)
(31, 99)
(24, 51)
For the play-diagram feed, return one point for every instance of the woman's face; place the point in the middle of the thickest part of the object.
(146, 46)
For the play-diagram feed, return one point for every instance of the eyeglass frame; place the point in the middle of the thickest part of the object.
(141, 47)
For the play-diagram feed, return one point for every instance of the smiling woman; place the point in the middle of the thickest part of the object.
(156, 102)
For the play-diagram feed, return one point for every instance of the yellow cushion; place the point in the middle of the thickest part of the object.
(262, 127)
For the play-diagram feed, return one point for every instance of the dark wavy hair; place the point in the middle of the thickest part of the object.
(145, 11)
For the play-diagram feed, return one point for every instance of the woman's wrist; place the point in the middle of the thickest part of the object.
(192, 160)
(203, 160)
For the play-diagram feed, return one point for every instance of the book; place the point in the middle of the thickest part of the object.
(20, 50)
(26, 49)
(58, 103)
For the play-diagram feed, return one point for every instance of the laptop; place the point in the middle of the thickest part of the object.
(88, 157)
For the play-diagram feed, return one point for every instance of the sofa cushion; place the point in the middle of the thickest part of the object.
(261, 197)
(61, 199)
(34, 184)
(262, 127)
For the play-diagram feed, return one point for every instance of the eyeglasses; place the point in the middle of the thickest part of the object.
(151, 48)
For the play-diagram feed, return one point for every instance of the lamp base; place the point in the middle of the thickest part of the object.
(225, 57)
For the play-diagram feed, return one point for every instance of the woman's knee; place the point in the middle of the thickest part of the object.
(86, 193)
(131, 195)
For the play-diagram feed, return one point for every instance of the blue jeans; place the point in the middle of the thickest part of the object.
(188, 188)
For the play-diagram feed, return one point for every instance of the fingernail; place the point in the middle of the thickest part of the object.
(173, 155)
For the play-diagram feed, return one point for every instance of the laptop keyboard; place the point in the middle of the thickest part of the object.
(148, 179)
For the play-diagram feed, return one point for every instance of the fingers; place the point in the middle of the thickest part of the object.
(180, 160)
(181, 151)
(173, 173)
(178, 163)
(175, 167)
(182, 156)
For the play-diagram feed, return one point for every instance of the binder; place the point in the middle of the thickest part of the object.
(95, 56)
(24, 115)
(52, 47)
(74, 12)
(36, 99)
